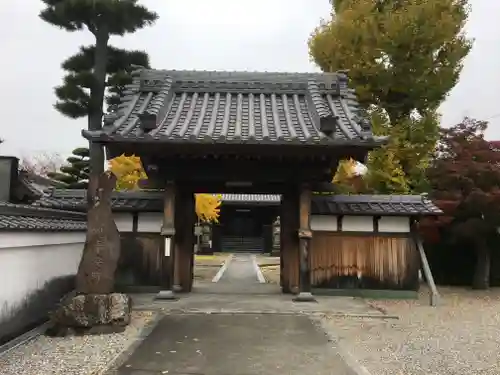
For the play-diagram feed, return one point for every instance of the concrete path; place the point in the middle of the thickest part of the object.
(240, 326)
(271, 303)
(241, 270)
(250, 344)
(239, 291)
(240, 276)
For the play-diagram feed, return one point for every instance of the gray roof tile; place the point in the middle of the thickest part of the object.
(29, 187)
(28, 217)
(237, 107)
(152, 201)
(393, 205)
(251, 198)
(75, 200)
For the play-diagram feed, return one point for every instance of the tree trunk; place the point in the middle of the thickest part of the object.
(96, 164)
(98, 263)
(483, 265)
(97, 93)
(96, 272)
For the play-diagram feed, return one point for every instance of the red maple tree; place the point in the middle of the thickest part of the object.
(465, 184)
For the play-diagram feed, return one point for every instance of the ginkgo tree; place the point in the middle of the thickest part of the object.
(345, 171)
(208, 207)
(129, 173)
(402, 66)
(344, 177)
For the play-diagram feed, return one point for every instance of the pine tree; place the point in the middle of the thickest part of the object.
(102, 18)
(74, 94)
(75, 174)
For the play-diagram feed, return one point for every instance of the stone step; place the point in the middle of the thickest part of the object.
(241, 244)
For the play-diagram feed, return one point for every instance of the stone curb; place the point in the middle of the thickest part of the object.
(223, 268)
(169, 311)
(122, 357)
(24, 338)
(258, 271)
(355, 368)
(351, 362)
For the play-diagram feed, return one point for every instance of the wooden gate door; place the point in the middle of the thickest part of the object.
(139, 267)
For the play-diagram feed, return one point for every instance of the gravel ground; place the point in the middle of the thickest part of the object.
(207, 266)
(461, 336)
(85, 355)
(271, 274)
(205, 273)
(270, 268)
(217, 259)
(264, 259)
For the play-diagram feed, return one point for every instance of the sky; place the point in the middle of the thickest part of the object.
(268, 35)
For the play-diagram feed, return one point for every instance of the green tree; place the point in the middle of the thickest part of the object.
(401, 65)
(102, 18)
(75, 174)
(74, 94)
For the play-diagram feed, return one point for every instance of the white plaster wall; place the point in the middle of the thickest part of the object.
(123, 221)
(357, 224)
(323, 223)
(394, 224)
(29, 259)
(150, 222)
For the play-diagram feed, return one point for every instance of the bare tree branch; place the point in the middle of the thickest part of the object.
(41, 163)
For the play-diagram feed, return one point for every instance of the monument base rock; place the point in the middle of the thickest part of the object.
(91, 314)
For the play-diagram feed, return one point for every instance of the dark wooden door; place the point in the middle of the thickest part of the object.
(140, 261)
(242, 226)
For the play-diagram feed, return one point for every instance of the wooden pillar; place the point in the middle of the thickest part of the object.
(305, 236)
(168, 233)
(178, 240)
(289, 220)
(185, 240)
(179, 220)
(284, 240)
(283, 277)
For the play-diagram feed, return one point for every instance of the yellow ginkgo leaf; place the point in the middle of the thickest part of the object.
(128, 171)
(208, 207)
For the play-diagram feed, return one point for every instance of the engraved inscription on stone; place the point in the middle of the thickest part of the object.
(102, 247)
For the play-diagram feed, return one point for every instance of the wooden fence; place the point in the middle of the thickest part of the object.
(368, 261)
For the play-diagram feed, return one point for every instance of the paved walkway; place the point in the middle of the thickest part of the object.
(241, 270)
(239, 326)
(240, 277)
(270, 303)
(235, 345)
(239, 291)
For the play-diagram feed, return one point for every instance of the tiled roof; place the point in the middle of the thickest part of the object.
(30, 218)
(30, 187)
(75, 199)
(251, 198)
(393, 205)
(152, 201)
(25, 191)
(237, 107)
